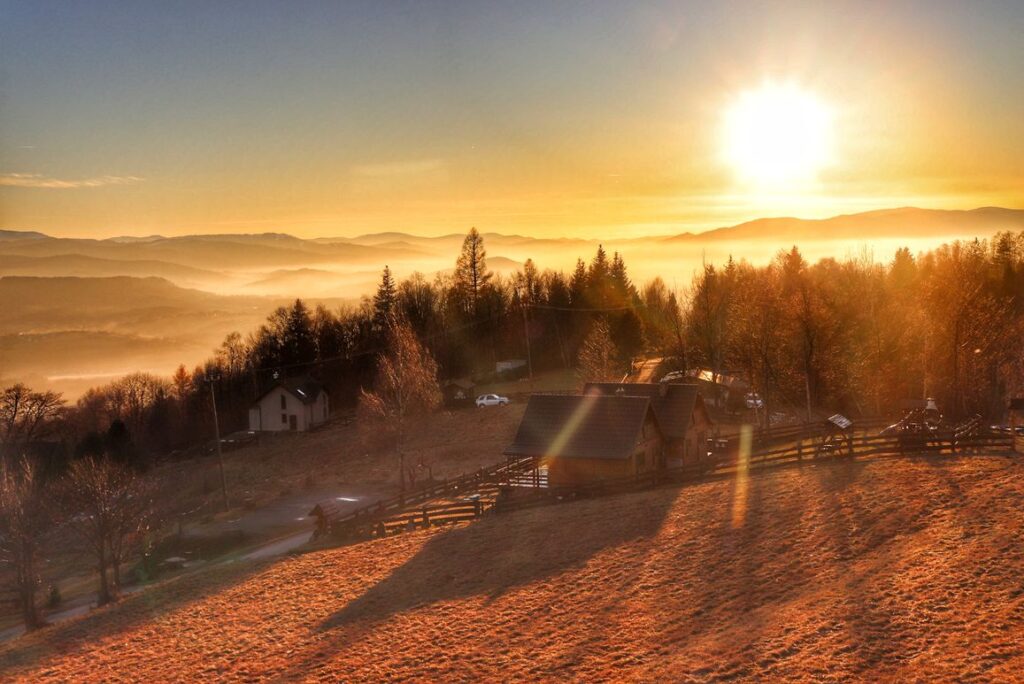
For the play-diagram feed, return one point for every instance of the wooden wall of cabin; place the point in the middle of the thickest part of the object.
(566, 472)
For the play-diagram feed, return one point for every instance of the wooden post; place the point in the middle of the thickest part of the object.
(426, 518)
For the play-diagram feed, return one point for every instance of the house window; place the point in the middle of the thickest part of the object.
(284, 418)
(284, 402)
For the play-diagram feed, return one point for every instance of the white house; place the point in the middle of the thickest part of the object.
(291, 404)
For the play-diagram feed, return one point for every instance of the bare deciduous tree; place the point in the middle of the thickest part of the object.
(23, 520)
(24, 413)
(597, 362)
(406, 385)
(111, 509)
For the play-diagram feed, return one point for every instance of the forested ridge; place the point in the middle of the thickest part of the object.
(847, 335)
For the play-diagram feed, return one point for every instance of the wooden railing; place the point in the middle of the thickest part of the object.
(963, 438)
(519, 484)
(367, 516)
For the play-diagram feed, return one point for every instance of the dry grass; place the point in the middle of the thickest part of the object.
(888, 570)
(451, 442)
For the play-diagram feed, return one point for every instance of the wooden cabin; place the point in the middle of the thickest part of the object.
(681, 412)
(589, 438)
(294, 404)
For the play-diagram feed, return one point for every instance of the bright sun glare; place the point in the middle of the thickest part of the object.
(778, 136)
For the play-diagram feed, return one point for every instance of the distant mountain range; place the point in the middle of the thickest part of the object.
(908, 222)
(260, 248)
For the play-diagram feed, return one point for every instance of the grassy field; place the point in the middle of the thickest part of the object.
(889, 569)
(450, 442)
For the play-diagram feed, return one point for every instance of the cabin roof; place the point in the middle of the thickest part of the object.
(303, 388)
(673, 403)
(581, 426)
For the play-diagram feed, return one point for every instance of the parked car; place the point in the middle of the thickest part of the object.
(490, 400)
(754, 401)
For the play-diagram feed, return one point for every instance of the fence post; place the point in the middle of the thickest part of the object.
(476, 508)
(426, 518)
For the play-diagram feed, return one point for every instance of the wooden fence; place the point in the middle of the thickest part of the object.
(519, 484)
(365, 520)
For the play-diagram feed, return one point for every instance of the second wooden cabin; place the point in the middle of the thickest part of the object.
(612, 431)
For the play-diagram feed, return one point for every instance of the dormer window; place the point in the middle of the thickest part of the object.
(284, 402)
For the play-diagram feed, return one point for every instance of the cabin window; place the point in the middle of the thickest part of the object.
(284, 402)
(284, 418)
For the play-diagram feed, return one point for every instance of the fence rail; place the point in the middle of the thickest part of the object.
(517, 471)
(520, 483)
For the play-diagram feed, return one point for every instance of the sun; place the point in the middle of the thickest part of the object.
(778, 136)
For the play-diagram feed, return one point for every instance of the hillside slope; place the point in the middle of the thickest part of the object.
(882, 570)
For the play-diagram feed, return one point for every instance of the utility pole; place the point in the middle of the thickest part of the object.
(526, 335)
(216, 432)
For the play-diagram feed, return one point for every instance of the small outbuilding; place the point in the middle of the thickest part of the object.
(293, 404)
(458, 392)
(589, 438)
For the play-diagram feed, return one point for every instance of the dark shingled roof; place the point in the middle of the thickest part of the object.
(304, 389)
(673, 403)
(574, 426)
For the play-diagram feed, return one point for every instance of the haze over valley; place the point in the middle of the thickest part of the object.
(80, 312)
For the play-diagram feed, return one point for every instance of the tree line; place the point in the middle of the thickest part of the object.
(849, 335)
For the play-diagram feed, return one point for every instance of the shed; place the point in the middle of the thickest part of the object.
(294, 404)
(682, 416)
(458, 392)
(589, 438)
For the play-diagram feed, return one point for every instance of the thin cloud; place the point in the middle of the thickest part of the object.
(35, 180)
(402, 168)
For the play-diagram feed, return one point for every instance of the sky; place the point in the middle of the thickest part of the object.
(575, 119)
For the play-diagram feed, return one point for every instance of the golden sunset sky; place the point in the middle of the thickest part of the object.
(601, 119)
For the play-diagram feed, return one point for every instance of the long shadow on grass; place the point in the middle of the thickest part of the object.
(78, 634)
(494, 556)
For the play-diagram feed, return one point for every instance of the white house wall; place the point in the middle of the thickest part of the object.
(266, 414)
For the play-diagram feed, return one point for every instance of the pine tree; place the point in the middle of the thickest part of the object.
(578, 284)
(598, 284)
(384, 300)
(297, 343)
(620, 283)
(471, 275)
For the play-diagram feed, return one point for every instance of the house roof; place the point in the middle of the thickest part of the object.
(673, 403)
(581, 426)
(305, 389)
